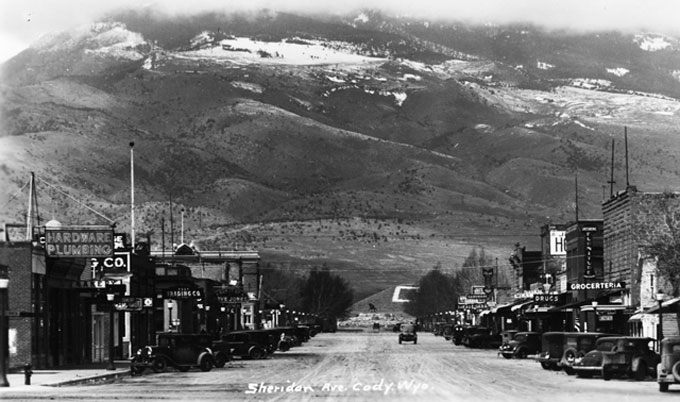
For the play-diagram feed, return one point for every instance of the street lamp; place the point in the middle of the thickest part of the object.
(659, 299)
(4, 346)
(594, 303)
(110, 297)
(170, 305)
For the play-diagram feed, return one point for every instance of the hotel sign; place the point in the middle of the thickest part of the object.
(557, 242)
(71, 243)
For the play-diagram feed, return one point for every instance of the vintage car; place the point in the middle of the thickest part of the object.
(668, 371)
(522, 345)
(408, 333)
(630, 356)
(508, 335)
(591, 363)
(576, 345)
(247, 344)
(552, 349)
(458, 332)
(481, 337)
(438, 328)
(181, 351)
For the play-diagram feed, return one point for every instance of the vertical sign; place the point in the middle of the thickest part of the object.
(557, 246)
(588, 233)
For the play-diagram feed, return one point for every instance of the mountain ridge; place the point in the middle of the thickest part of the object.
(374, 161)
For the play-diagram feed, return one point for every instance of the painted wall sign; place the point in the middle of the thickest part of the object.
(69, 243)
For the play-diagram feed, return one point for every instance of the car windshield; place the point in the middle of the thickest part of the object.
(520, 338)
(605, 346)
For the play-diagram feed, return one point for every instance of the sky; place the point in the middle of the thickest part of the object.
(23, 22)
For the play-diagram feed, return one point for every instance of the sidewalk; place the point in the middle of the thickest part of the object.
(68, 376)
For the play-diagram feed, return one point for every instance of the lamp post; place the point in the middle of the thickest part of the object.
(659, 299)
(4, 347)
(110, 297)
(594, 303)
(170, 305)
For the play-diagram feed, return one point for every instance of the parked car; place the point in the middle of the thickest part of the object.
(449, 331)
(668, 370)
(408, 333)
(632, 357)
(507, 335)
(458, 334)
(181, 351)
(255, 344)
(576, 345)
(439, 328)
(552, 349)
(481, 337)
(522, 345)
(591, 363)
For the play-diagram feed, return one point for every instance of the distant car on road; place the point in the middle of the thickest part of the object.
(668, 371)
(481, 337)
(408, 333)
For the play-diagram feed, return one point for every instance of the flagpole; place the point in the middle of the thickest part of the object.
(132, 194)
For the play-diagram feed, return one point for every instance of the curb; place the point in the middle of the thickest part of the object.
(92, 380)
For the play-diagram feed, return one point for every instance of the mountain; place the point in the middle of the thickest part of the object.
(376, 145)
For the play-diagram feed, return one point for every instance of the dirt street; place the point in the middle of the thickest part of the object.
(367, 366)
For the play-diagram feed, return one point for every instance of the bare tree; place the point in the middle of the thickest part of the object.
(665, 245)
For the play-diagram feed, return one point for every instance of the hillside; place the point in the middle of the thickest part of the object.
(378, 146)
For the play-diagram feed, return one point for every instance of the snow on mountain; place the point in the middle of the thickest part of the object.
(102, 38)
(242, 50)
(652, 42)
(619, 72)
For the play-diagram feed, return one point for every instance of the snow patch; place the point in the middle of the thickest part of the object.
(619, 72)
(363, 18)
(242, 50)
(336, 79)
(652, 42)
(590, 83)
(248, 86)
(543, 65)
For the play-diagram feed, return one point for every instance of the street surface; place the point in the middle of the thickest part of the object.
(363, 366)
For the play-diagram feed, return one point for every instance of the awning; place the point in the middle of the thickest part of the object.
(507, 307)
(538, 309)
(636, 317)
(519, 306)
(665, 306)
(605, 307)
(485, 312)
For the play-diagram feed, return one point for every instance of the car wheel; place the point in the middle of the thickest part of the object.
(415, 341)
(606, 374)
(159, 364)
(641, 371)
(568, 370)
(663, 387)
(522, 353)
(220, 360)
(256, 353)
(676, 371)
(205, 363)
(506, 355)
(546, 366)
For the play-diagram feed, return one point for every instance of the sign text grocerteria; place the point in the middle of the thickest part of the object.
(597, 285)
(79, 242)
